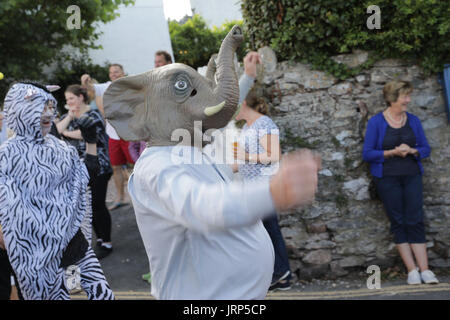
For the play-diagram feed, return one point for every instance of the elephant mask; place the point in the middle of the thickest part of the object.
(152, 105)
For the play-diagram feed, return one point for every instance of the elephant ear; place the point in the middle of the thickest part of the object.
(125, 106)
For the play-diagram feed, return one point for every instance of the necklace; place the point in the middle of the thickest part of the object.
(394, 121)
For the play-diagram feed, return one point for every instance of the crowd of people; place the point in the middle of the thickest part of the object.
(54, 175)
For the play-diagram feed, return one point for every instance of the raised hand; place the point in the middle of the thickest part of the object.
(85, 79)
(295, 183)
(250, 61)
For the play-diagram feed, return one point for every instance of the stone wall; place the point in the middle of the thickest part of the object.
(344, 228)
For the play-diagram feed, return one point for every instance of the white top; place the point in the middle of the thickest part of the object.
(100, 89)
(202, 232)
(249, 138)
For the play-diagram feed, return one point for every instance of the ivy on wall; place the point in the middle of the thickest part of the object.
(312, 31)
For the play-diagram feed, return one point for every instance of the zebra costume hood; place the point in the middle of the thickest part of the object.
(43, 185)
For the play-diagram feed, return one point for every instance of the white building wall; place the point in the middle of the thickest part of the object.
(216, 12)
(133, 38)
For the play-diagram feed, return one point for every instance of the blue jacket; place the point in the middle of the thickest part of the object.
(373, 143)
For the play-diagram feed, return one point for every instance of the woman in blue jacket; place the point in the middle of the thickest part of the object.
(394, 145)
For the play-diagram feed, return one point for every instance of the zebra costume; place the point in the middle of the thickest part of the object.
(43, 185)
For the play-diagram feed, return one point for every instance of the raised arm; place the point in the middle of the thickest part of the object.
(206, 207)
(62, 125)
(248, 78)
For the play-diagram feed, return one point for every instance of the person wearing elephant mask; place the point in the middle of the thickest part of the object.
(202, 232)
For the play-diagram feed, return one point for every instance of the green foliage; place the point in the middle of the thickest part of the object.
(34, 33)
(193, 42)
(312, 31)
(69, 73)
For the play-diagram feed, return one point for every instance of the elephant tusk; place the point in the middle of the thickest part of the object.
(209, 111)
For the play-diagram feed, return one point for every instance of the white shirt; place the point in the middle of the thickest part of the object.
(100, 89)
(202, 232)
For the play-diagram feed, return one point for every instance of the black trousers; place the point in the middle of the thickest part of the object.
(402, 199)
(279, 246)
(5, 277)
(101, 219)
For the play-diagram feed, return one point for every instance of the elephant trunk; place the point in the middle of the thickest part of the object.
(227, 88)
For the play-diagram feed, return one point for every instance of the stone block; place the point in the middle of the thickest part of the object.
(383, 75)
(358, 188)
(363, 79)
(340, 89)
(294, 237)
(326, 172)
(337, 270)
(352, 261)
(390, 63)
(344, 134)
(309, 79)
(323, 244)
(433, 123)
(318, 257)
(352, 60)
(311, 272)
(318, 227)
(440, 263)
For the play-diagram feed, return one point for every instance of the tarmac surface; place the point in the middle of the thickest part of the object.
(128, 262)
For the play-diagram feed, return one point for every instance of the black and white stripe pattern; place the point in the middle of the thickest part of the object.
(43, 190)
(93, 281)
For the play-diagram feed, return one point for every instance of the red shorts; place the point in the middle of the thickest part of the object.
(118, 152)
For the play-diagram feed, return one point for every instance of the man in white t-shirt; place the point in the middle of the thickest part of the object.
(118, 148)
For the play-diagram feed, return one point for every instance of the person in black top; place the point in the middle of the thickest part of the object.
(69, 128)
(394, 144)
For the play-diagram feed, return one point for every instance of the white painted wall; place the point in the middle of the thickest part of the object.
(133, 38)
(216, 12)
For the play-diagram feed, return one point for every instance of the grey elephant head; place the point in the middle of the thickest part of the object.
(152, 105)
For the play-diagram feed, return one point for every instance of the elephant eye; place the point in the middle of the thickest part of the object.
(181, 85)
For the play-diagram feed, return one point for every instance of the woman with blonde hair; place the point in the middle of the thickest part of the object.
(394, 146)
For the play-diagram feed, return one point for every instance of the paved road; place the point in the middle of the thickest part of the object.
(402, 292)
(124, 267)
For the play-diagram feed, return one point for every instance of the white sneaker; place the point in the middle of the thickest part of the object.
(428, 277)
(414, 277)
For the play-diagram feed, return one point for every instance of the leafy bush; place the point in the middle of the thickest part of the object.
(193, 42)
(34, 34)
(69, 73)
(312, 31)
